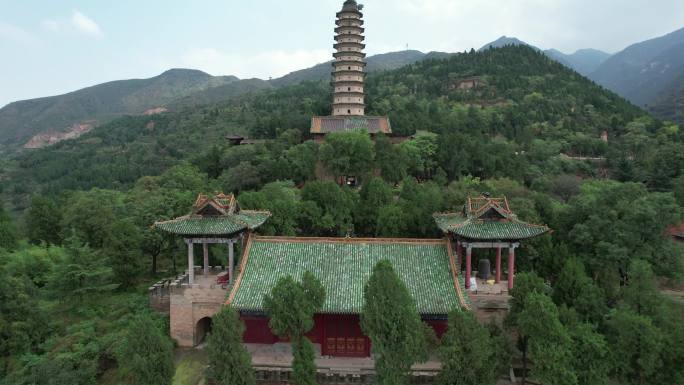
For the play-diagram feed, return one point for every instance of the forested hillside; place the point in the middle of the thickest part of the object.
(526, 104)
(80, 250)
(21, 120)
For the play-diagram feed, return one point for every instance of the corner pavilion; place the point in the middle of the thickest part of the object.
(428, 267)
(487, 223)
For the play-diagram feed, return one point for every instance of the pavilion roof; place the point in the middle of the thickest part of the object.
(487, 219)
(343, 265)
(372, 124)
(219, 215)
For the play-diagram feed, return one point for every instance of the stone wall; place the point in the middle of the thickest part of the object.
(191, 303)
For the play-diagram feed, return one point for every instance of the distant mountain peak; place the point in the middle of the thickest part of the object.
(504, 41)
(183, 72)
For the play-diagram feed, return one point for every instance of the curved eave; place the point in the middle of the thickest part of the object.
(358, 29)
(479, 230)
(479, 235)
(349, 94)
(350, 82)
(341, 46)
(346, 22)
(340, 38)
(349, 53)
(353, 13)
(342, 63)
(348, 72)
(197, 226)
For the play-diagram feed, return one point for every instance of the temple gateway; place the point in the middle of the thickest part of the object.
(432, 269)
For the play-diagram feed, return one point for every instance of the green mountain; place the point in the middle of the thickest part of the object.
(643, 71)
(669, 104)
(505, 41)
(40, 122)
(525, 103)
(20, 121)
(584, 61)
(382, 62)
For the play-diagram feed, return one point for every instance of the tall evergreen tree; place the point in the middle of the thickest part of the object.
(576, 290)
(467, 352)
(229, 361)
(549, 341)
(43, 221)
(640, 293)
(146, 353)
(291, 307)
(636, 345)
(392, 322)
(8, 232)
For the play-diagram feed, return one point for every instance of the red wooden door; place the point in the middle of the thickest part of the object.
(343, 337)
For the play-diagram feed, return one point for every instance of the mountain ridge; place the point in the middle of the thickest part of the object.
(642, 71)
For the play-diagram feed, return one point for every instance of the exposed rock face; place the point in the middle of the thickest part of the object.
(50, 138)
(155, 111)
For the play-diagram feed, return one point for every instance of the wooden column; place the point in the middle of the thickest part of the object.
(469, 252)
(511, 266)
(498, 264)
(230, 261)
(191, 263)
(459, 252)
(205, 249)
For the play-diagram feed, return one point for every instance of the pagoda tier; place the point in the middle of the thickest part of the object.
(349, 28)
(348, 68)
(349, 55)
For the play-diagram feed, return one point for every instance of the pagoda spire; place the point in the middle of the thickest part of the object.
(348, 68)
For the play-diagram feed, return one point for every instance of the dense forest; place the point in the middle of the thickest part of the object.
(79, 250)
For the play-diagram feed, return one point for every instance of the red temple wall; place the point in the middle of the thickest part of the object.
(338, 335)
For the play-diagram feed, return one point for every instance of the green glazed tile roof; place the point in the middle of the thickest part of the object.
(479, 229)
(195, 225)
(344, 266)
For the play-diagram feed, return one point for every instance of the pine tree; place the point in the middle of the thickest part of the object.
(291, 307)
(229, 361)
(549, 341)
(390, 319)
(467, 352)
(43, 221)
(146, 354)
(8, 232)
(636, 346)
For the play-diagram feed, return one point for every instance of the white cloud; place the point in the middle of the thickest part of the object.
(15, 34)
(52, 25)
(79, 23)
(265, 64)
(84, 24)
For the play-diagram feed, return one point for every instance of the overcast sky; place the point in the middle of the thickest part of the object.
(53, 47)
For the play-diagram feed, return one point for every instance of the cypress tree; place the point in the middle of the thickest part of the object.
(146, 355)
(467, 352)
(391, 320)
(229, 361)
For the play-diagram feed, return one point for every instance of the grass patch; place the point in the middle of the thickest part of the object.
(190, 365)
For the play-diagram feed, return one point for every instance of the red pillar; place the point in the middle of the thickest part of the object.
(498, 264)
(459, 252)
(511, 266)
(468, 267)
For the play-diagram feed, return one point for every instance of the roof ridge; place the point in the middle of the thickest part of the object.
(454, 273)
(243, 265)
(349, 240)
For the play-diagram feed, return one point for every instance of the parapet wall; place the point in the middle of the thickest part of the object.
(189, 304)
